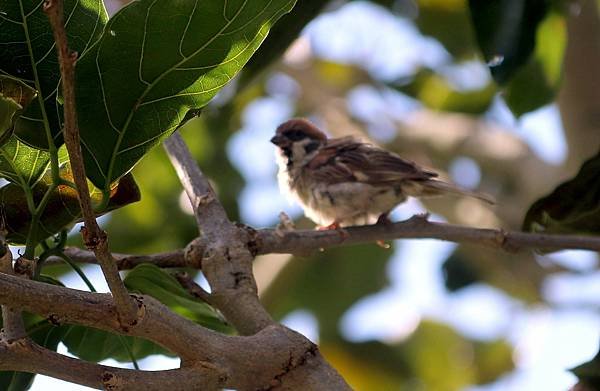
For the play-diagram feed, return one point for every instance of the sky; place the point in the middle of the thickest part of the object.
(547, 340)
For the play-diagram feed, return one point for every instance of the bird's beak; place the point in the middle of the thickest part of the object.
(278, 140)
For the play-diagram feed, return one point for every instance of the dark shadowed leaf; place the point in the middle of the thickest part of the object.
(27, 52)
(15, 96)
(506, 31)
(574, 206)
(589, 373)
(458, 272)
(62, 209)
(151, 280)
(97, 345)
(155, 62)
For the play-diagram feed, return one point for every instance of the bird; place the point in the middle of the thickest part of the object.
(342, 182)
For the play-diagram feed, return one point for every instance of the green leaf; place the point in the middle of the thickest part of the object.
(574, 206)
(535, 84)
(62, 209)
(27, 52)
(435, 92)
(506, 32)
(155, 61)
(151, 280)
(448, 21)
(14, 97)
(22, 164)
(96, 345)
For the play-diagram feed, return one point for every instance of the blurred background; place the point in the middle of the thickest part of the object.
(407, 75)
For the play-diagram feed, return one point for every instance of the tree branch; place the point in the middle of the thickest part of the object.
(12, 320)
(240, 362)
(94, 237)
(227, 265)
(26, 356)
(305, 242)
(226, 261)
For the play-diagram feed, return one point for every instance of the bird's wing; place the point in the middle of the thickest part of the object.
(348, 160)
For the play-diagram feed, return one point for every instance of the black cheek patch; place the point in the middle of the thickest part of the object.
(310, 147)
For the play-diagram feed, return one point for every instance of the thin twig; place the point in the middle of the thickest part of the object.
(190, 285)
(94, 237)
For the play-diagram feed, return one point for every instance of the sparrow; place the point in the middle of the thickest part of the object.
(343, 181)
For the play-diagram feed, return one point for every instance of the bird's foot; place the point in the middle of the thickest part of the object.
(334, 226)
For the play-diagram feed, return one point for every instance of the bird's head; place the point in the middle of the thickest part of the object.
(298, 138)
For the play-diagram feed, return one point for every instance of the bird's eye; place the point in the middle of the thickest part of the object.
(295, 135)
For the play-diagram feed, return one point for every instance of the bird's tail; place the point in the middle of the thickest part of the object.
(436, 187)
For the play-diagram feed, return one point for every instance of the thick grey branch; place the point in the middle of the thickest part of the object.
(247, 362)
(226, 261)
(12, 321)
(25, 356)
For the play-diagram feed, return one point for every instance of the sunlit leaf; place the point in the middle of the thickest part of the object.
(15, 96)
(155, 61)
(438, 93)
(62, 209)
(151, 280)
(22, 164)
(574, 206)
(27, 52)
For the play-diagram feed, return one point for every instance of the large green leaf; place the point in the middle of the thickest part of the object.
(21, 164)
(151, 280)
(155, 61)
(14, 97)
(27, 52)
(574, 206)
(506, 31)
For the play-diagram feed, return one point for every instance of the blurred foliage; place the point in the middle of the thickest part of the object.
(307, 283)
(574, 206)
